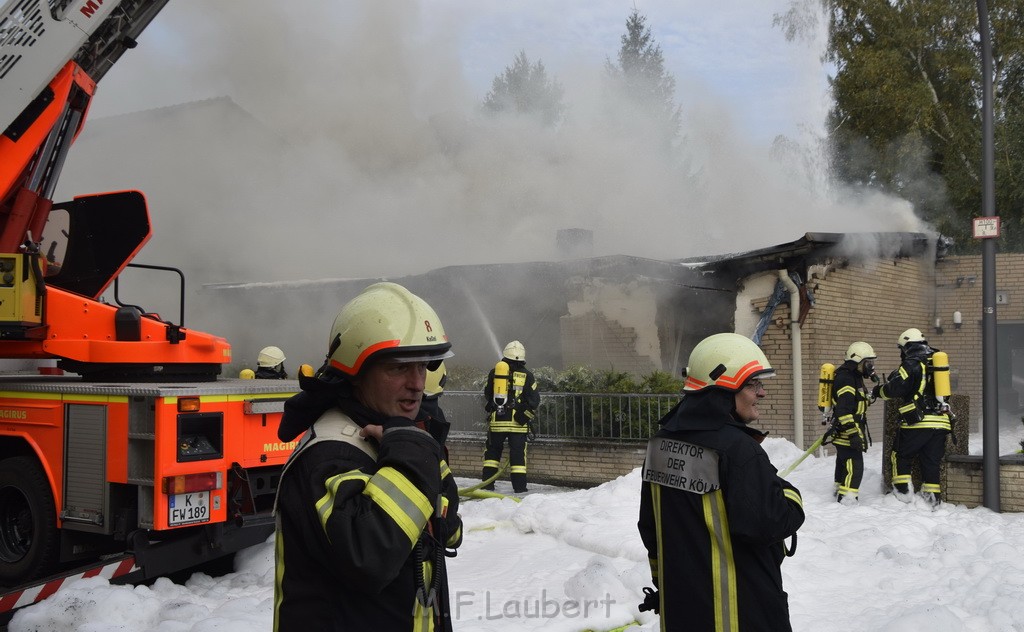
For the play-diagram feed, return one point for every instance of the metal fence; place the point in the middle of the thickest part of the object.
(571, 415)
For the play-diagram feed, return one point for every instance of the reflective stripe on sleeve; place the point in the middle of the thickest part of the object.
(794, 495)
(406, 504)
(325, 505)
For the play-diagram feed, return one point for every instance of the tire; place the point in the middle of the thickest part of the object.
(29, 543)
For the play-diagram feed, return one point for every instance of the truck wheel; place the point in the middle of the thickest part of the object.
(28, 524)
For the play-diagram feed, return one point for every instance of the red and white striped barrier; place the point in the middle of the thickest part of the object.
(31, 594)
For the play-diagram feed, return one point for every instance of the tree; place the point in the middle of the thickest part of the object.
(526, 89)
(907, 114)
(640, 80)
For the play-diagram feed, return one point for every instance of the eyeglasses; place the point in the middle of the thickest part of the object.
(756, 385)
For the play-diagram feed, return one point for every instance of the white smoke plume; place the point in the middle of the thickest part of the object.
(367, 154)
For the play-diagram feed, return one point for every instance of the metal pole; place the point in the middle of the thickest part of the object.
(990, 401)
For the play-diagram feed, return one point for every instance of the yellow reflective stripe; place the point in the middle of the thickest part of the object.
(445, 470)
(794, 495)
(518, 469)
(894, 474)
(278, 573)
(659, 573)
(325, 505)
(491, 463)
(723, 566)
(901, 478)
(848, 478)
(908, 407)
(935, 488)
(507, 426)
(400, 499)
(846, 419)
(422, 614)
(929, 425)
(454, 538)
(846, 389)
(903, 373)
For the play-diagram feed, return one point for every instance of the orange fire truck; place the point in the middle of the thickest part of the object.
(125, 454)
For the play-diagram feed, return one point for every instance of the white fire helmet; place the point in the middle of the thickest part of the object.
(386, 319)
(860, 351)
(514, 351)
(911, 335)
(270, 357)
(725, 361)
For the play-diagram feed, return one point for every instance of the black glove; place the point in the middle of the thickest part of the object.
(524, 415)
(856, 442)
(876, 391)
(651, 600)
(490, 407)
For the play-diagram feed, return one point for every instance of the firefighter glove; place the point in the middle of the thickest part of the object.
(876, 391)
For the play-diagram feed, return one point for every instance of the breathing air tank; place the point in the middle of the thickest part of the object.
(940, 374)
(825, 378)
(501, 377)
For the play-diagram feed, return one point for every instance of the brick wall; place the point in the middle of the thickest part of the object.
(593, 340)
(553, 462)
(875, 303)
(964, 481)
(871, 302)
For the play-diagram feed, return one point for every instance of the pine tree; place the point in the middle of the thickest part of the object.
(525, 88)
(640, 79)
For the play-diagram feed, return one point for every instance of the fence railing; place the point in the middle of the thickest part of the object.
(571, 415)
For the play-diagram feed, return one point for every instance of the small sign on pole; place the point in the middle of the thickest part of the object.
(986, 227)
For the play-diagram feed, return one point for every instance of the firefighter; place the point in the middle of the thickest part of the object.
(924, 419)
(270, 364)
(511, 398)
(367, 507)
(850, 400)
(431, 414)
(714, 514)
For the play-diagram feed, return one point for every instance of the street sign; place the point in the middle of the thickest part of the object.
(986, 227)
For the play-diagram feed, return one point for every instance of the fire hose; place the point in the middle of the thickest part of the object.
(465, 491)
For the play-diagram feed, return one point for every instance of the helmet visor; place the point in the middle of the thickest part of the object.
(433, 357)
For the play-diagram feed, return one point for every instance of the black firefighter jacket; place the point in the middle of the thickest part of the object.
(524, 399)
(716, 557)
(357, 536)
(850, 404)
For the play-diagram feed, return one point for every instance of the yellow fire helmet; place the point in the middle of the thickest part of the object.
(270, 357)
(514, 351)
(435, 381)
(725, 361)
(386, 319)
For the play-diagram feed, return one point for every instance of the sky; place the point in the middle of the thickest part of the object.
(386, 166)
(542, 563)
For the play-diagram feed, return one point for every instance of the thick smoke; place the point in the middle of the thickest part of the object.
(367, 154)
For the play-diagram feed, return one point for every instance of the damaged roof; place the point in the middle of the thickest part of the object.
(816, 248)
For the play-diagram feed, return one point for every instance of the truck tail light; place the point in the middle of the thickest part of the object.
(186, 483)
(188, 404)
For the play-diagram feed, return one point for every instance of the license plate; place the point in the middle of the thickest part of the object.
(189, 508)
